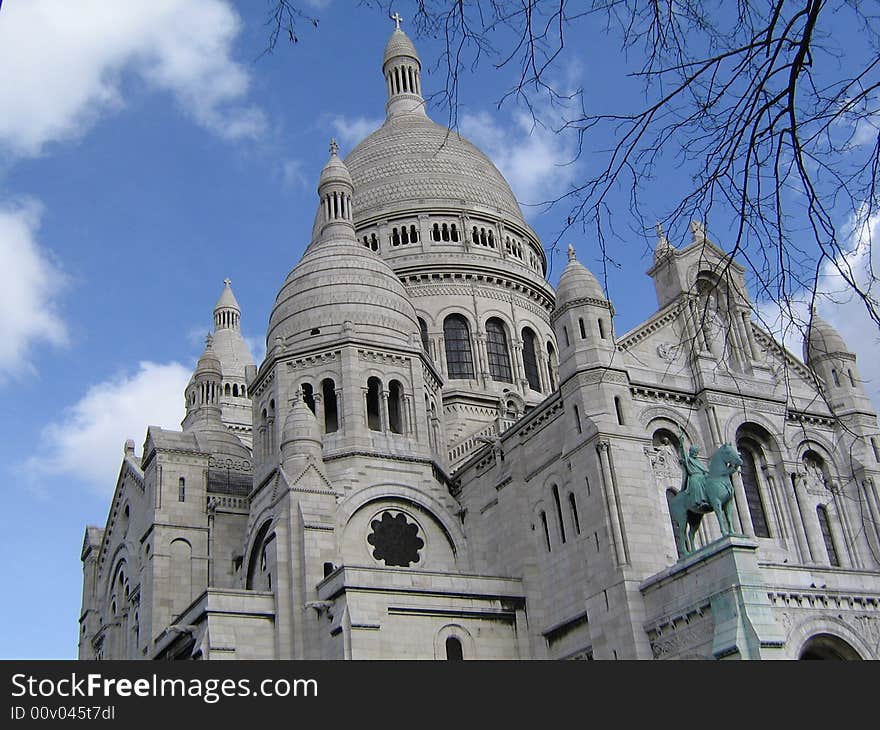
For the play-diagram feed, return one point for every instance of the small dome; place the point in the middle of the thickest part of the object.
(577, 282)
(209, 363)
(399, 44)
(338, 282)
(335, 170)
(215, 439)
(300, 424)
(822, 339)
(340, 286)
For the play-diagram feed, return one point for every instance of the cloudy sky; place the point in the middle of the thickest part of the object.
(148, 150)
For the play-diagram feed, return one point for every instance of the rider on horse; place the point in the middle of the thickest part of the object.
(693, 473)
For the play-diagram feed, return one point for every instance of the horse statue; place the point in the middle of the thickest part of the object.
(704, 493)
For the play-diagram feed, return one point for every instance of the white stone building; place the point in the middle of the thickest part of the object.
(441, 457)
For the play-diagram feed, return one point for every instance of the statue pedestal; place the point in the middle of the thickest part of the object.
(712, 604)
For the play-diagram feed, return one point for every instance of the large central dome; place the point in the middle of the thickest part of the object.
(411, 161)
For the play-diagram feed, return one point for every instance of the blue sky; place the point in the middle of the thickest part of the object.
(147, 151)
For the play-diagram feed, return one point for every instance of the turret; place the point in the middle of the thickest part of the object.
(828, 355)
(203, 391)
(402, 69)
(300, 437)
(335, 189)
(582, 320)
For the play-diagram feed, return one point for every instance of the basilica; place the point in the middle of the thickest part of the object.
(442, 457)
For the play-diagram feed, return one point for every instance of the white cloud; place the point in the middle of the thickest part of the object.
(839, 305)
(351, 130)
(292, 174)
(86, 443)
(536, 160)
(32, 282)
(63, 64)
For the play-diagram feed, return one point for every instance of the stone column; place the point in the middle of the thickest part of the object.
(612, 503)
(873, 509)
(319, 409)
(519, 373)
(384, 422)
(810, 520)
(838, 533)
(742, 506)
(441, 356)
(340, 418)
(797, 525)
(481, 362)
(844, 540)
(750, 336)
(700, 335)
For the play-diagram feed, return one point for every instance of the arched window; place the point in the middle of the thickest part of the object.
(309, 396)
(618, 409)
(546, 530)
(582, 328)
(530, 360)
(753, 493)
(565, 334)
(577, 420)
(395, 406)
(551, 365)
(235, 390)
(573, 508)
(227, 389)
(835, 377)
(454, 233)
(435, 232)
(374, 388)
(423, 330)
(331, 414)
(559, 512)
(459, 357)
(852, 380)
(602, 328)
(181, 490)
(499, 355)
(825, 525)
(453, 649)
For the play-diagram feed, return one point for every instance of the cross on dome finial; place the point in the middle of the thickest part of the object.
(571, 254)
(397, 18)
(334, 147)
(227, 281)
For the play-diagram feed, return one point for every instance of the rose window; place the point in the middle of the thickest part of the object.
(395, 540)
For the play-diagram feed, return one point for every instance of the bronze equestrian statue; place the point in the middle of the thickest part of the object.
(703, 491)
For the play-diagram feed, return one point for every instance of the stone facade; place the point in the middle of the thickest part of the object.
(440, 456)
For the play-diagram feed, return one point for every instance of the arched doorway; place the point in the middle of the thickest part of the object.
(828, 647)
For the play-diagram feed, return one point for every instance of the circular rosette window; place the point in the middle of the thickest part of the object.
(395, 539)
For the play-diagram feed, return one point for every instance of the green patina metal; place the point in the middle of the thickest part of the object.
(703, 491)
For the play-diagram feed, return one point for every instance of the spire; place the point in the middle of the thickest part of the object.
(663, 247)
(402, 70)
(335, 189)
(227, 313)
(698, 232)
(204, 391)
